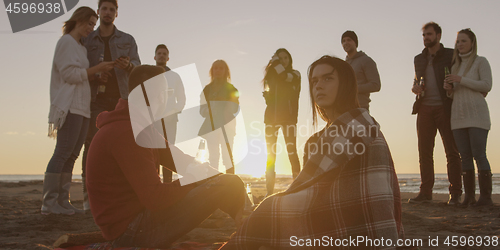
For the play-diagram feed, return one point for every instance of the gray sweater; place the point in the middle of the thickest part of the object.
(366, 75)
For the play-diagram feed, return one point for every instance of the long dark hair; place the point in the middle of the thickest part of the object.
(347, 97)
(289, 66)
(82, 14)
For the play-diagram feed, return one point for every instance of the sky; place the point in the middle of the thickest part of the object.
(246, 34)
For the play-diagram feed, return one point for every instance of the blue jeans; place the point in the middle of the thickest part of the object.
(70, 139)
(159, 229)
(471, 143)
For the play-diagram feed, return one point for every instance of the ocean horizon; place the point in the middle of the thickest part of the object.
(408, 183)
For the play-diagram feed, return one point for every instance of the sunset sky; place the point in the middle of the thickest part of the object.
(246, 34)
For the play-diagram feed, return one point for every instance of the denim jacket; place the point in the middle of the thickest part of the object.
(120, 44)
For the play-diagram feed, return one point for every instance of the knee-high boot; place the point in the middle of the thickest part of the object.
(86, 203)
(50, 195)
(469, 180)
(63, 198)
(485, 188)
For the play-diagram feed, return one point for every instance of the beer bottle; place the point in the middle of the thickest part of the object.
(102, 88)
(446, 71)
(422, 85)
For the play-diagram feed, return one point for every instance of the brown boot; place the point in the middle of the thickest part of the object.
(420, 198)
(454, 200)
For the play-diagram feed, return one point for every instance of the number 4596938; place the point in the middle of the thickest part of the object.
(33, 8)
(471, 241)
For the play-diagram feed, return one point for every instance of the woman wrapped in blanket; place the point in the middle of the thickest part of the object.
(348, 188)
(468, 84)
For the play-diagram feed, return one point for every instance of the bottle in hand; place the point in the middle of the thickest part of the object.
(102, 88)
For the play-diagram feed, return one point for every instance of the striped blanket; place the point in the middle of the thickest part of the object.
(347, 196)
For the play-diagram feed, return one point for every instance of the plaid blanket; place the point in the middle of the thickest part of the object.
(109, 246)
(341, 194)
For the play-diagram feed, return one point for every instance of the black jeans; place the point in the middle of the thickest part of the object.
(100, 105)
(159, 229)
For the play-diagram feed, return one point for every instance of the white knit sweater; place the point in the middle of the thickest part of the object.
(69, 84)
(469, 108)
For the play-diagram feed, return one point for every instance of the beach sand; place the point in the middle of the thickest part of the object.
(23, 227)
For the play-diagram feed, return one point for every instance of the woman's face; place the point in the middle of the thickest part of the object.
(218, 70)
(325, 85)
(284, 59)
(464, 44)
(85, 28)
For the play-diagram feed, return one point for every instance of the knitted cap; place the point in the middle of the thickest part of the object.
(351, 35)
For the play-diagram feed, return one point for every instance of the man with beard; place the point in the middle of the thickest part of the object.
(107, 43)
(175, 102)
(365, 68)
(433, 109)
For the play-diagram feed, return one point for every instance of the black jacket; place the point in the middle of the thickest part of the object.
(441, 60)
(282, 99)
(224, 106)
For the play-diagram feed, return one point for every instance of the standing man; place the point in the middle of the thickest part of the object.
(107, 43)
(433, 109)
(365, 68)
(175, 102)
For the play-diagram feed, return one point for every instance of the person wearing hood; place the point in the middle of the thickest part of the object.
(365, 68)
(128, 201)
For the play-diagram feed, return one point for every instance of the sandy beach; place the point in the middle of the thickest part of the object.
(23, 227)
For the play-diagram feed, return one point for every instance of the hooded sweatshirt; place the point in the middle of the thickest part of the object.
(366, 75)
(122, 179)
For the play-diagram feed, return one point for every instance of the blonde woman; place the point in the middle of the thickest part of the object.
(468, 84)
(222, 105)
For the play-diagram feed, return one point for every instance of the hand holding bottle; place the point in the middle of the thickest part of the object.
(104, 76)
(105, 66)
(452, 78)
(416, 89)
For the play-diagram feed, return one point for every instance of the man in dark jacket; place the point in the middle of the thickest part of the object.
(175, 102)
(365, 68)
(433, 109)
